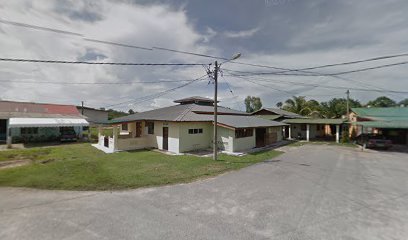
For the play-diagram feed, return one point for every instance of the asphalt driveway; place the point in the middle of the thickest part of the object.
(310, 192)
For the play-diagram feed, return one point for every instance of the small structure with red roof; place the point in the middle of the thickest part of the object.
(28, 121)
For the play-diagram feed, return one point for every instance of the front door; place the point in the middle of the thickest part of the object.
(165, 138)
(3, 129)
(260, 137)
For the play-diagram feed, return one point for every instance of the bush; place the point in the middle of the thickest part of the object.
(345, 137)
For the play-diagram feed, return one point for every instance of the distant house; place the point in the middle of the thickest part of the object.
(33, 122)
(276, 114)
(391, 122)
(94, 116)
(188, 126)
(304, 128)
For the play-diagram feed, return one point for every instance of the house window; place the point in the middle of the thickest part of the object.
(124, 126)
(31, 130)
(150, 127)
(138, 129)
(243, 132)
(195, 131)
(303, 127)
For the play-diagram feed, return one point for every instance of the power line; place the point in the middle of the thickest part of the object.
(315, 74)
(18, 24)
(218, 57)
(117, 44)
(99, 63)
(95, 83)
(342, 63)
(153, 96)
(322, 86)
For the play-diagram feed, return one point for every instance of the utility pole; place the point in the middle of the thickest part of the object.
(215, 145)
(348, 105)
(215, 77)
(82, 107)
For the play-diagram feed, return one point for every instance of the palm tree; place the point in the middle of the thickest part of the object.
(301, 106)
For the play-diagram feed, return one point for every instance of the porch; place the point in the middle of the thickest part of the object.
(126, 136)
(315, 129)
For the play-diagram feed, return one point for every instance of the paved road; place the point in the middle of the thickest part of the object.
(312, 192)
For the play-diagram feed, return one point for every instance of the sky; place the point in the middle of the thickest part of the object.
(280, 33)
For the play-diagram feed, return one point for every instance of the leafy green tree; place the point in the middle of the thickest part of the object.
(404, 102)
(252, 104)
(115, 114)
(131, 111)
(301, 106)
(337, 107)
(382, 102)
(279, 105)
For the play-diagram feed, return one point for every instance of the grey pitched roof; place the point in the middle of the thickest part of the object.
(194, 99)
(247, 121)
(316, 120)
(281, 112)
(200, 113)
(179, 113)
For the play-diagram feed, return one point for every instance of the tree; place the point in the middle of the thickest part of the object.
(301, 106)
(382, 102)
(115, 114)
(252, 104)
(337, 107)
(279, 105)
(404, 102)
(131, 111)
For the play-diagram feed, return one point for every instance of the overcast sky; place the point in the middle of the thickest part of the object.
(280, 33)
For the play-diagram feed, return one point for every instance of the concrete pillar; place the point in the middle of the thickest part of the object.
(290, 132)
(99, 131)
(115, 137)
(9, 139)
(337, 133)
(307, 132)
(283, 132)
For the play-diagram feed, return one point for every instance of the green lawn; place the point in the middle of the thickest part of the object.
(82, 167)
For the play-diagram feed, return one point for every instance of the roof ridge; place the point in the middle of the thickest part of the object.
(37, 103)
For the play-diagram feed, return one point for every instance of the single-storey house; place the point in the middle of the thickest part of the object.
(277, 114)
(302, 127)
(94, 116)
(188, 126)
(392, 122)
(34, 122)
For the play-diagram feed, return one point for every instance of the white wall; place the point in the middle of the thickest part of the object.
(181, 141)
(191, 142)
(174, 133)
(243, 144)
(225, 139)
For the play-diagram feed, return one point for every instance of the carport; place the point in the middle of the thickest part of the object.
(315, 128)
(396, 131)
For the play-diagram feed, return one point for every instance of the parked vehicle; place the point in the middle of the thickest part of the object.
(374, 141)
(68, 135)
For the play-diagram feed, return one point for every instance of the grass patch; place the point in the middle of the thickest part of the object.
(106, 131)
(82, 167)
